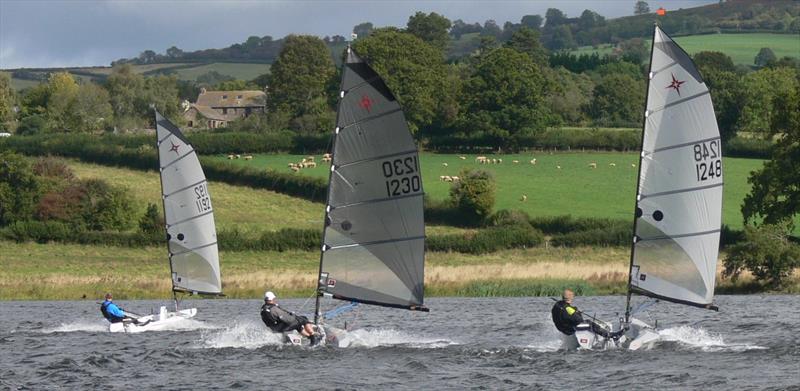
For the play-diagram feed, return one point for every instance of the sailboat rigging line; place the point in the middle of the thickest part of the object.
(163, 139)
(639, 178)
(164, 208)
(188, 250)
(177, 160)
(686, 144)
(686, 235)
(190, 219)
(370, 118)
(686, 190)
(378, 200)
(679, 101)
(372, 159)
(366, 244)
(185, 187)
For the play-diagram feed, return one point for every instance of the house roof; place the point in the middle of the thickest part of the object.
(208, 112)
(232, 99)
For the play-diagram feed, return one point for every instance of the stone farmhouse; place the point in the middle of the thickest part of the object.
(214, 109)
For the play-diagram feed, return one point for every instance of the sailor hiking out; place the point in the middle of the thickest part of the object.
(280, 320)
(566, 317)
(113, 313)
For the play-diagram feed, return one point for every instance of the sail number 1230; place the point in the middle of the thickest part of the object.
(402, 176)
(708, 160)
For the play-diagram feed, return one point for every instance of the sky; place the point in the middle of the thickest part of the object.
(66, 33)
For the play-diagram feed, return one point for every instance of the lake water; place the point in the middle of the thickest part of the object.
(463, 343)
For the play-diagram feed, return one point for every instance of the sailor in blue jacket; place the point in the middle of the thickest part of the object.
(111, 312)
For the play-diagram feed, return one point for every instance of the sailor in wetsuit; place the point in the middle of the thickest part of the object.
(115, 314)
(279, 320)
(566, 317)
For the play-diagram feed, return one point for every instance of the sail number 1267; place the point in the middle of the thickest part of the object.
(708, 160)
(402, 176)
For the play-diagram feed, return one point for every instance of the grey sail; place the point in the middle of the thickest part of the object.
(374, 236)
(679, 198)
(189, 216)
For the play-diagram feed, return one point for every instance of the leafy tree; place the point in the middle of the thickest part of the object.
(617, 100)
(532, 21)
(7, 102)
(147, 57)
(553, 18)
(151, 222)
(491, 28)
(710, 61)
(634, 50)
(764, 57)
(300, 76)
(570, 94)
(725, 88)
(363, 30)
(526, 40)
(775, 193)
(105, 207)
(91, 109)
(174, 52)
(413, 70)
(562, 38)
(590, 19)
(505, 96)
(124, 86)
(33, 124)
(641, 8)
(63, 93)
(474, 195)
(759, 90)
(766, 252)
(236, 85)
(19, 188)
(431, 28)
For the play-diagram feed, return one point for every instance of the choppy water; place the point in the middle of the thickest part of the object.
(506, 343)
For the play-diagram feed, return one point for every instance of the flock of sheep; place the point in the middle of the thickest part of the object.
(246, 157)
(308, 162)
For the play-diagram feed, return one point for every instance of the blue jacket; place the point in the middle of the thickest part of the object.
(113, 310)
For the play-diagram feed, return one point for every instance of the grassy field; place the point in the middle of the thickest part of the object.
(241, 71)
(742, 48)
(70, 272)
(239, 207)
(575, 189)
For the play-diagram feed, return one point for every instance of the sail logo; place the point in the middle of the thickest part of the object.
(366, 103)
(174, 148)
(676, 84)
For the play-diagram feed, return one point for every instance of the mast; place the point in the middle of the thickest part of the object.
(326, 219)
(156, 114)
(636, 212)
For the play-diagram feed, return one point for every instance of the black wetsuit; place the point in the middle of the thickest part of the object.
(280, 320)
(566, 317)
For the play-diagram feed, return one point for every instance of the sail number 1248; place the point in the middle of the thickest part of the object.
(708, 160)
(402, 176)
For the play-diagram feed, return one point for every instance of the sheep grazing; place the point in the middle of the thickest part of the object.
(593, 165)
(295, 168)
(230, 157)
(248, 157)
(533, 161)
(558, 167)
(309, 165)
(633, 165)
(499, 160)
(612, 164)
(310, 158)
(524, 198)
(303, 161)
(238, 156)
(462, 157)
(456, 179)
(515, 161)
(480, 159)
(327, 155)
(326, 159)
(445, 178)
(444, 164)
(494, 161)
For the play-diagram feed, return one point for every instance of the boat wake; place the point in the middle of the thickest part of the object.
(78, 326)
(698, 337)
(371, 338)
(246, 335)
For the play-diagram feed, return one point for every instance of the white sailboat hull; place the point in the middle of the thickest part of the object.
(640, 335)
(163, 320)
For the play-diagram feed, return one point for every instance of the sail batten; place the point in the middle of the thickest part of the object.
(374, 233)
(679, 195)
(188, 213)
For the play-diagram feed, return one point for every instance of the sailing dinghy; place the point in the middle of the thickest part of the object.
(191, 233)
(678, 213)
(373, 249)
